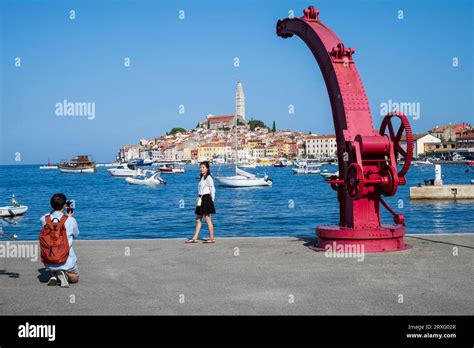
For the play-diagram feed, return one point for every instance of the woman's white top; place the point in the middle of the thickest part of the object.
(207, 187)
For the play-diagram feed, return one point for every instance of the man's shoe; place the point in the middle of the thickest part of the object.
(63, 278)
(53, 280)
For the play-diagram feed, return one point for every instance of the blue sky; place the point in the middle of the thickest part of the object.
(190, 62)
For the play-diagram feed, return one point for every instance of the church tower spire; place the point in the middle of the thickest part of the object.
(240, 101)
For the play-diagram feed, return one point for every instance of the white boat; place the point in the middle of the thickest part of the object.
(302, 167)
(171, 168)
(13, 210)
(247, 165)
(151, 179)
(425, 162)
(243, 179)
(328, 175)
(125, 170)
(306, 170)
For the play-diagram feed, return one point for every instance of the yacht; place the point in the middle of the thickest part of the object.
(125, 170)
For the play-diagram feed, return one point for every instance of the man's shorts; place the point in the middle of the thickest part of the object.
(74, 270)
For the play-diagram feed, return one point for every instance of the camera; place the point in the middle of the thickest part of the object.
(71, 204)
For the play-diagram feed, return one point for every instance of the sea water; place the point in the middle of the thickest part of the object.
(109, 208)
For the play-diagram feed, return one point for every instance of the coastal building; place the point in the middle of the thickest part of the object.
(320, 146)
(419, 141)
(271, 151)
(443, 150)
(128, 153)
(465, 145)
(258, 152)
(289, 148)
(212, 150)
(218, 122)
(450, 132)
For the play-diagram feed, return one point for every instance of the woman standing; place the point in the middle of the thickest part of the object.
(205, 203)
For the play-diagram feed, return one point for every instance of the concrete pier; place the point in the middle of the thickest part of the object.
(442, 192)
(247, 276)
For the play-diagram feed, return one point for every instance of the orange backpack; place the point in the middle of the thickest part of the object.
(53, 241)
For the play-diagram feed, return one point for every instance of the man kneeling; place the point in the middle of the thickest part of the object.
(56, 239)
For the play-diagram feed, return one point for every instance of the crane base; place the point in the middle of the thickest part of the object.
(383, 239)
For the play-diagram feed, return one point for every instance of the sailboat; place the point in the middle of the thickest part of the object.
(243, 179)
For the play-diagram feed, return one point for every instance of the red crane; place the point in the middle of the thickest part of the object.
(367, 157)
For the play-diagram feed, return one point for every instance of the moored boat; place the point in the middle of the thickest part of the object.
(243, 179)
(282, 162)
(79, 164)
(125, 170)
(151, 179)
(171, 168)
(13, 210)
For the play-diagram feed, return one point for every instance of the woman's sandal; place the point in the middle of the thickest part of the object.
(209, 241)
(191, 240)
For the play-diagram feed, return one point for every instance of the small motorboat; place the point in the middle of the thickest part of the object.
(15, 209)
(470, 163)
(125, 170)
(282, 162)
(151, 179)
(171, 168)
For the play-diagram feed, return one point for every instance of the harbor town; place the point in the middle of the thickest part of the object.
(235, 138)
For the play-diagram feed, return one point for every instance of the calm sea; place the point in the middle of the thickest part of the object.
(109, 208)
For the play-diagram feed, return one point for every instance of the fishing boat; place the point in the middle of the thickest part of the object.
(243, 179)
(152, 178)
(79, 164)
(49, 166)
(125, 170)
(282, 162)
(15, 209)
(470, 163)
(171, 168)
